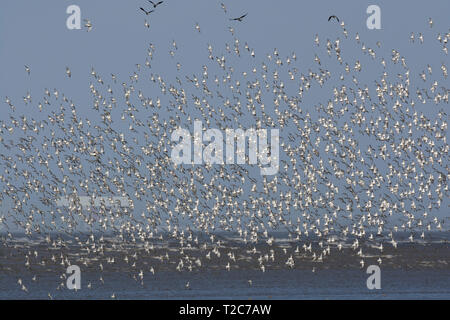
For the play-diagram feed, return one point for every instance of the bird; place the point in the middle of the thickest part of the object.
(223, 7)
(333, 17)
(239, 18)
(155, 4)
(88, 25)
(145, 11)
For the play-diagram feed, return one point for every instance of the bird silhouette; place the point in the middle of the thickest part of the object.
(333, 17)
(239, 18)
(145, 11)
(155, 4)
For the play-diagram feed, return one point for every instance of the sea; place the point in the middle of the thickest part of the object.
(411, 271)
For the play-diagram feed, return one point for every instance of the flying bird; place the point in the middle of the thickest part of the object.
(145, 11)
(333, 16)
(88, 24)
(239, 18)
(223, 7)
(155, 4)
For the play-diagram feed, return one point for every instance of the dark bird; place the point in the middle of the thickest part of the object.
(155, 4)
(331, 17)
(239, 18)
(146, 12)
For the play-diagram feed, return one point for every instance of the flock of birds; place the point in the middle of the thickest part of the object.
(362, 166)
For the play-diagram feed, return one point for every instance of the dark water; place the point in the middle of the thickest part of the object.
(410, 271)
(273, 284)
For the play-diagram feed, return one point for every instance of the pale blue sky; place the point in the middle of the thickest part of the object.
(34, 33)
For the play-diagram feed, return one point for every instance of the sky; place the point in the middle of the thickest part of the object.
(34, 33)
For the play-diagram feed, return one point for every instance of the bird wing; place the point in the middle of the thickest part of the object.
(151, 2)
(240, 18)
(331, 17)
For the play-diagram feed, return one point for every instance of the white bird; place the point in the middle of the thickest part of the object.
(88, 25)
